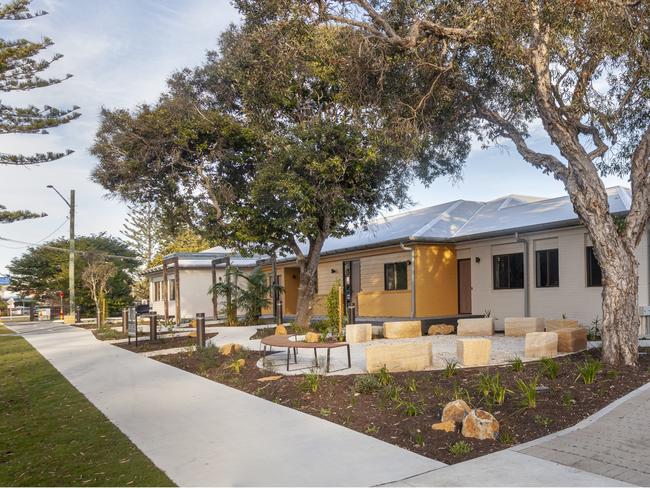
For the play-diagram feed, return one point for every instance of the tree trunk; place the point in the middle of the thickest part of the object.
(621, 321)
(307, 286)
(98, 314)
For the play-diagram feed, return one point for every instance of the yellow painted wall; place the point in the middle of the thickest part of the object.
(385, 303)
(436, 280)
(290, 282)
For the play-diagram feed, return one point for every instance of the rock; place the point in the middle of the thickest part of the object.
(403, 329)
(553, 325)
(440, 329)
(455, 411)
(476, 327)
(474, 351)
(540, 345)
(270, 378)
(312, 337)
(520, 326)
(281, 330)
(479, 424)
(448, 426)
(573, 339)
(404, 356)
(357, 333)
(228, 349)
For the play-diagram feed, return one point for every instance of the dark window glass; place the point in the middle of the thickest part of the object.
(594, 274)
(508, 271)
(395, 276)
(172, 290)
(548, 273)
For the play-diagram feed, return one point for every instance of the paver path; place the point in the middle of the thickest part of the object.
(202, 433)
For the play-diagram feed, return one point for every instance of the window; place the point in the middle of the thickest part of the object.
(156, 291)
(547, 267)
(172, 290)
(508, 271)
(395, 276)
(594, 274)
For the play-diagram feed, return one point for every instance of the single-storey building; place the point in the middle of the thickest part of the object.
(513, 256)
(180, 287)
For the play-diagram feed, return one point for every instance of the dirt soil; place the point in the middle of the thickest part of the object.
(383, 411)
(164, 342)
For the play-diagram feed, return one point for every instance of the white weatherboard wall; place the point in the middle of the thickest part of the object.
(572, 298)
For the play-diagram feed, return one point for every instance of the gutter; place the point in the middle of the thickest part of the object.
(405, 248)
(526, 273)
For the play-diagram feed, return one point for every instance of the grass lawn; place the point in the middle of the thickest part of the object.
(51, 435)
(4, 330)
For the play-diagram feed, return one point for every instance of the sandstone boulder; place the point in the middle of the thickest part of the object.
(440, 329)
(540, 345)
(448, 426)
(228, 349)
(473, 351)
(358, 333)
(280, 330)
(479, 424)
(455, 411)
(312, 337)
(553, 325)
(573, 339)
(403, 329)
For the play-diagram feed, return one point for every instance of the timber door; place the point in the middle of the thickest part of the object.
(464, 286)
(351, 283)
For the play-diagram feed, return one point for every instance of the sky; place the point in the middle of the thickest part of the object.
(120, 53)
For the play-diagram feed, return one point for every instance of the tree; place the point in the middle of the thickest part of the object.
(141, 230)
(264, 128)
(186, 241)
(19, 71)
(43, 271)
(96, 276)
(582, 68)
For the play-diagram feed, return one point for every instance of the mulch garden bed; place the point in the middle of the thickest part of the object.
(165, 342)
(402, 410)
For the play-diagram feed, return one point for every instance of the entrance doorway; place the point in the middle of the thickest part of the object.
(464, 286)
(351, 283)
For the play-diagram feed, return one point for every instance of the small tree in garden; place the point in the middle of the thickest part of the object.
(95, 276)
(333, 304)
(229, 291)
(255, 295)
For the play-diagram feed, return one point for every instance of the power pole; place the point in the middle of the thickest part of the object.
(73, 310)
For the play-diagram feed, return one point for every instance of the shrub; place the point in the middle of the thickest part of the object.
(372, 429)
(393, 393)
(460, 393)
(567, 400)
(451, 368)
(208, 357)
(418, 438)
(490, 387)
(517, 364)
(237, 365)
(543, 421)
(384, 377)
(367, 384)
(310, 382)
(412, 385)
(506, 437)
(588, 370)
(550, 368)
(460, 448)
(528, 392)
(411, 409)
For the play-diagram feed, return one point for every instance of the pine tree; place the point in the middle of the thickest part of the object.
(19, 71)
(141, 230)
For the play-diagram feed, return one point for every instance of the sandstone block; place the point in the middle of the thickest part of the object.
(474, 351)
(69, 319)
(540, 345)
(402, 330)
(312, 337)
(573, 339)
(270, 378)
(280, 330)
(228, 349)
(448, 426)
(406, 356)
(553, 325)
(520, 326)
(357, 333)
(440, 329)
(479, 424)
(455, 411)
(476, 327)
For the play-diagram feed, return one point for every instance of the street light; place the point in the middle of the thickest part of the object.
(71, 205)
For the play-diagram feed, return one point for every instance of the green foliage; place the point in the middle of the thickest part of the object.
(460, 448)
(506, 437)
(461, 393)
(528, 392)
(550, 368)
(185, 241)
(393, 393)
(236, 365)
(372, 429)
(543, 421)
(43, 271)
(593, 334)
(588, 370)
(142, 231)
(490, 387)
(567, 400)
(367, 383)
(412, 385)
(332, 305)
(418, 438)
(310, 382)
(384, 377)
(516, 364)
(255, 295)
(208, 357)
(451, 368)
(411, 409)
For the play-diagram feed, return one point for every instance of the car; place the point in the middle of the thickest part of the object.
(142, 309)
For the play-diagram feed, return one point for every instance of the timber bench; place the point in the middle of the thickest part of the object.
(282, 342)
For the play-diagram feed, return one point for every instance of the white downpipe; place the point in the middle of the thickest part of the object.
(405, 248)
(526, 283)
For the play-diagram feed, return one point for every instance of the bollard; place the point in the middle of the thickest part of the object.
(77, 314)
(32, 314)
(279, 317)
(200, 330)
(153, 327)
(125, 320)
(352, 313)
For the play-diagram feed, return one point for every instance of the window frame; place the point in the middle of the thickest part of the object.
(495, 258)
(171, 290)
(548, 252)
(390, 269)
(589, 253)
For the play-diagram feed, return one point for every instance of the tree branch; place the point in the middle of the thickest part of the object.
(640, 178)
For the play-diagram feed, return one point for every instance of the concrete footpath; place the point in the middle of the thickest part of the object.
(202, 433)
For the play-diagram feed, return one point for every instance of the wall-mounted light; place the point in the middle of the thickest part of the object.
(333, 270)
(477, 259)
(408, 262)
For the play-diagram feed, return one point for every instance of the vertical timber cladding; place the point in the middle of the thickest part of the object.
(436, 280)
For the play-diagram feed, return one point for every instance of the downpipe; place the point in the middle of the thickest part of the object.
(526, 280)
(405, 248)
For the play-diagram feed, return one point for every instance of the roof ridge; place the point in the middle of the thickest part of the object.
(470, 218)
(378, 220)
(437, 218)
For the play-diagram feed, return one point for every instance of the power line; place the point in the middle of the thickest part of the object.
(38, 242)
(63, 249)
